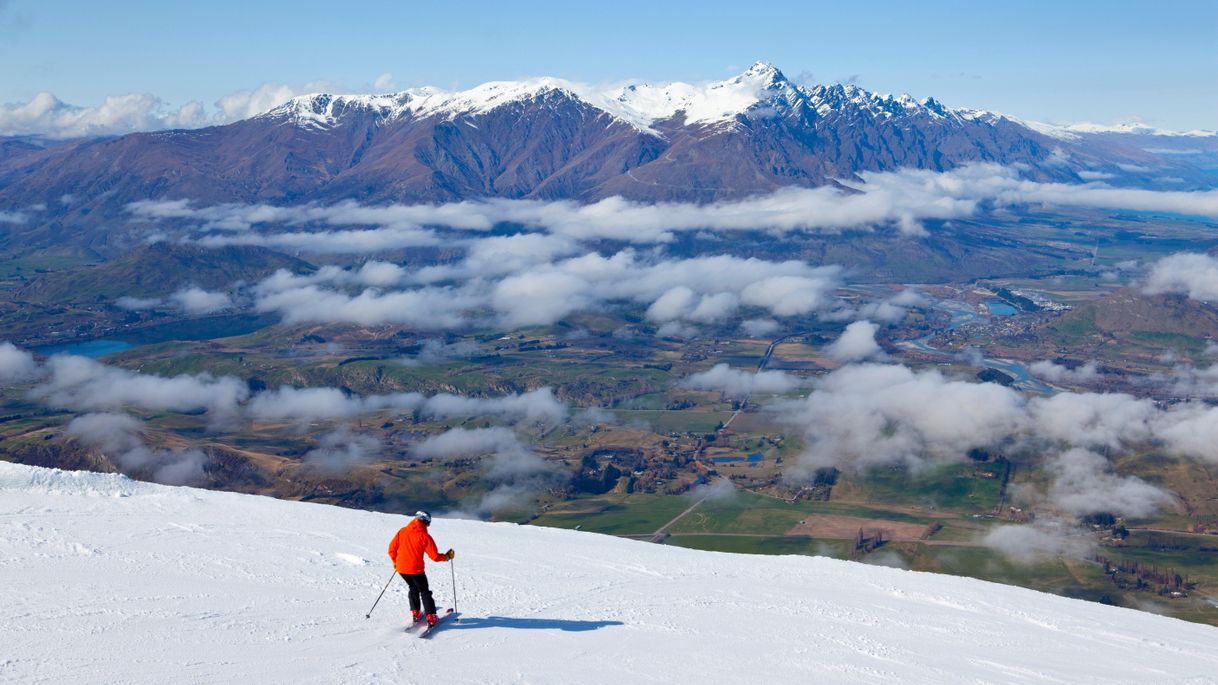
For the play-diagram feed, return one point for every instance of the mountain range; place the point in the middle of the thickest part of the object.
(551, 139)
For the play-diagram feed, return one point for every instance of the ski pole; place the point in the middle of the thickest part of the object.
(378, 597)
(454, 573)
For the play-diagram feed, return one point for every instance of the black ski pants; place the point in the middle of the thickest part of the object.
(418, 588)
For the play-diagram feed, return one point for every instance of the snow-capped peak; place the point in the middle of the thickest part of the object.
(711, 103)
(762, 87)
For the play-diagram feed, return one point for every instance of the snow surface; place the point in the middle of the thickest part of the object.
(110, 580)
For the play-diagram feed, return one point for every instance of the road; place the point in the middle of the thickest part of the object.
(659, 535)
(765, 359)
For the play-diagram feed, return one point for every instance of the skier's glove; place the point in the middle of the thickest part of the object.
(449, 555)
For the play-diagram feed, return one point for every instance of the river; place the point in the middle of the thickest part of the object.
(961, 313)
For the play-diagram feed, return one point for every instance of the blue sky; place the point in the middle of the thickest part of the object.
(1050, 61)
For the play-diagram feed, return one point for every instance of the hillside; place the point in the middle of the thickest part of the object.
(112, 580)
(1128, 325)
(157, 269)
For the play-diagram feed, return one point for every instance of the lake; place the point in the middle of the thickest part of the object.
(88, 348)
(191, 329)
(1000, 308)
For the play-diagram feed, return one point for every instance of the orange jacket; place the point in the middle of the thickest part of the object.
(408, 546)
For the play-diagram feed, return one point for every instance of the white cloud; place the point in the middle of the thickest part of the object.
(737, 383)
(1111, 420)
(902, 199)
(427, 308)
(384, 84)
(1187, 273)
(534, 407)
(1084, 483)
(500, 256)
(47, 115)
(465, 442)
(515, 471)
(244, 104)
(1191, 382)
(1040, 541)
(340, 450)
(893, 309)
(306, 404)
(534, 298)
(868, 414)
(856, 343)
(1192, 431)
(197, 302)
(677, 330)
(16, 365)
(720, 490)
(118, 437)
(700, 290)
(759, 328)
(1058, 373)
(82, 383)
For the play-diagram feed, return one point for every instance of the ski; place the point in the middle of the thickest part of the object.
(427, 629)
(415, 624)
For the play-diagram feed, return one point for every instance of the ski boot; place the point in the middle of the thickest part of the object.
(432, 619)
(415, 615)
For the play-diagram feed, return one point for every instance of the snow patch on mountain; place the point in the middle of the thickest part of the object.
(713, 103)
(109, 580)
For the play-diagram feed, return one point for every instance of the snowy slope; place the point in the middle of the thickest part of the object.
(108, 580)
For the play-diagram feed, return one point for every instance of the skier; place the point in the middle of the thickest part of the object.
(406, 550)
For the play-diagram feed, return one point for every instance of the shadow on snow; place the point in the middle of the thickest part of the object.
(465, 622)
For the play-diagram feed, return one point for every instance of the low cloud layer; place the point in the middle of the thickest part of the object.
(902, 200)
(514, 471)
(80, 383)
(1084, 483)
(197, 302)
(1059, 373)
(738, 384)
(873, 414)
(883, 414)
(342, 449)
(192, 301)
(286, 403)
(695, 290)
(118, 436)
(856, 343)
(84, 384)
(16, 365)
(1186, 273)
(1039, 542)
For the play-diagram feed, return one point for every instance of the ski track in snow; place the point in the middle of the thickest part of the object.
(109, 580)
